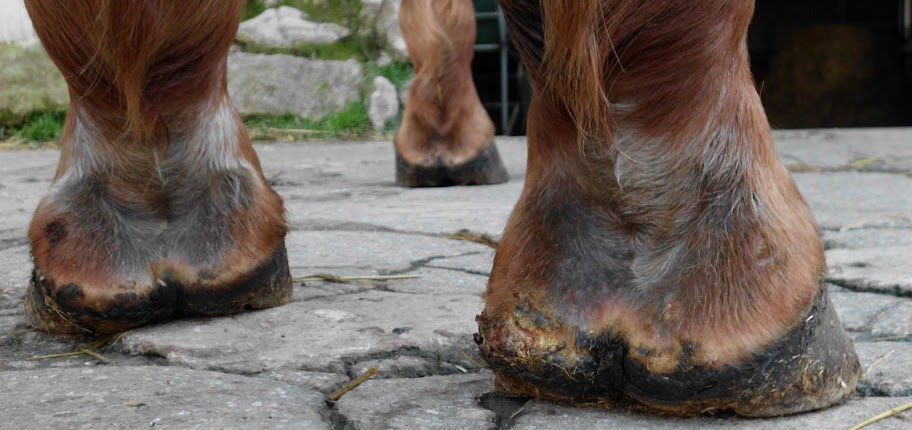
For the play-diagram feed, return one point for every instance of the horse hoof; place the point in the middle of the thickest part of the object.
(533, 353)
(75, 310)
(485, 169)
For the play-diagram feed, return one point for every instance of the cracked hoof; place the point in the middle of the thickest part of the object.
(485, 169)
(72, 309)
(535, 354)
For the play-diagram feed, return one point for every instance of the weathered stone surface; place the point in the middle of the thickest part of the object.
(404, 367)
(325, 251)
(323, 382)
(318, 335)
(436, 402)
(895, 322)
(884, 270)
(279, 84)
(867, 238)
(890, 375)
(382, 17)
(538, 415)
(15, 24)
(858, 312)
(865, 199)
(151, 396)
(383, 104)
(867, 149)
(285, 27)
(29, 82)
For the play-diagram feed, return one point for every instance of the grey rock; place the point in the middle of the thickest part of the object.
(890, 375)
(383, 104)
(382, 18)
(884, 270)
(29, 82)
(436, 402)
(538, 415)
(895, 322)
(323, 382)
(318, 335)
(15, 24)
(285, 27)
(866, 200)
(150, 396)
(867, 238)
(280, 84)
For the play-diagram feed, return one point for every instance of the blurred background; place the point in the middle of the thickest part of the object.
(338, 69)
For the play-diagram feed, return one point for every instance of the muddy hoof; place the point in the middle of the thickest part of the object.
(485, 169)
(533, 354)
(64, 309)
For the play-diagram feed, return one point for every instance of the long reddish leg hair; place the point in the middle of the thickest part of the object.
(158, 188)
(444, 123)
(655, 210)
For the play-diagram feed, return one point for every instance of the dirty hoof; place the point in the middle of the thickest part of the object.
(72, 309)
(485, 169)
(534, 354)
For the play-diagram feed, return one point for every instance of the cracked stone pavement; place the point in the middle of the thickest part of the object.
(274, 368)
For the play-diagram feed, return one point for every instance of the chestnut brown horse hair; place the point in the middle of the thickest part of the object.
(440, 35)
(144, 57)
(156, 173)
(649, 146)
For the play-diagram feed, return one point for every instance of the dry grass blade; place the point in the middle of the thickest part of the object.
(863, 163)
(883, 416)
(334, 397)
(18, 332)
(878, 361)
(347, 279)
(471, 236)
(87, 349)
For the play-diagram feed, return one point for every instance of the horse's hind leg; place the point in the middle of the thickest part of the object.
(660, 257)
(159, 208)
(446, 137)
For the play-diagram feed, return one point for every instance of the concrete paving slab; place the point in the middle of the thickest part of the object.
(538, 415)
(869, 149)
(886, 367)
(882, 270)
(111, 397)
(321, 335)
(858, 312)
(437, 402)
(867, 238)
(348, 218)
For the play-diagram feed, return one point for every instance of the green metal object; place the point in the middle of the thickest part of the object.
(491, 36)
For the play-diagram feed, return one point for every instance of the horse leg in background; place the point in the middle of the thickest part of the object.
(660, 257)
(446, 136)
(159, 208)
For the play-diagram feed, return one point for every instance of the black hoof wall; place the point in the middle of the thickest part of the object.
(485, 169)
(64, 310)
(812, 367)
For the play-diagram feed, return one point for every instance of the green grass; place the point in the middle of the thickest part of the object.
(39, 127)
(352, 122)
(361, 45)
(397, 73)
(348, 48)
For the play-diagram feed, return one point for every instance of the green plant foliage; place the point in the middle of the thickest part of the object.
(350, 123)
(38, 127)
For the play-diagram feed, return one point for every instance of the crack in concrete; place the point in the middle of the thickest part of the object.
(456, 269)
(848, 284)
(506, 409)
